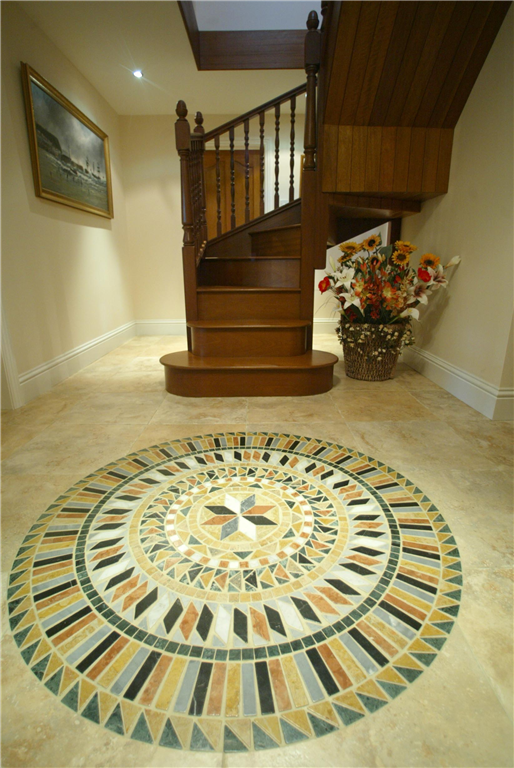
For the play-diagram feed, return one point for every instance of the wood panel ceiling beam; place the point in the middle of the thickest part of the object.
(258, 49)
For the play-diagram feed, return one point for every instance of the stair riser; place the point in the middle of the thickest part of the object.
(264, 273)
(248, 306)
(285, 242)
(248, 342)
(244, 383)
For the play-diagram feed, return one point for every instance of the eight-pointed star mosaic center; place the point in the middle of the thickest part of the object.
(235, 592)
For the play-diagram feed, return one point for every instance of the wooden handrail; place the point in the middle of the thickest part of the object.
(255, 112)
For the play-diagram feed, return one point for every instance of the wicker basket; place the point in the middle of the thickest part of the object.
(371, 351)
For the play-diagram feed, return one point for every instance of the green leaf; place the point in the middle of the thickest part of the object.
(386, 250)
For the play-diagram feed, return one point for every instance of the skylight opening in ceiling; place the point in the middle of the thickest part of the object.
(244, 15)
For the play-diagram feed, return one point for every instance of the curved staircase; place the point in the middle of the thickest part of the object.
(249, 337)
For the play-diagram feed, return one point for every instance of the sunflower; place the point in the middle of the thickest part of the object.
(370, 243)
(405, 247)
(401, 258)
(344, 257)
(429, 260)
(350, 249)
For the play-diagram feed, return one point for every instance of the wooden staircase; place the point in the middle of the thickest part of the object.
(376, 145)
(249, 336)
(249, 291)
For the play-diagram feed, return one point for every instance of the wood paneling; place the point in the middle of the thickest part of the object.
(364, 44)
(340, 65)
(404, 59)
(387, 15)
(426, 63)
(482, 48)
(390, 161)
(269, 49)
(409, 64)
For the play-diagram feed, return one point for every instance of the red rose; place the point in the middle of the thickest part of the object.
(324, 284)
(424, 275)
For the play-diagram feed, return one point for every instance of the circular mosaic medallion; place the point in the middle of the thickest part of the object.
(234, 591)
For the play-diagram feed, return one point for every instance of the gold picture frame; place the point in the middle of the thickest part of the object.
(70, 154)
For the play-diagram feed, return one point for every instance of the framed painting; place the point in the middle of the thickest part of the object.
(70, 154)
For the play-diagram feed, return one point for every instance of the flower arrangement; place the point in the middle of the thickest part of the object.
(378, 293)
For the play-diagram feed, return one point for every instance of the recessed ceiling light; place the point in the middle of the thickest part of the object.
(137, 73)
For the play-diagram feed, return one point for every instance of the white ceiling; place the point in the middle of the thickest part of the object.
(227, 15)
(107, 40)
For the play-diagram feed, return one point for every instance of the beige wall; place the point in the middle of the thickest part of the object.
(65, 271)
(152, 193)
(469, 325)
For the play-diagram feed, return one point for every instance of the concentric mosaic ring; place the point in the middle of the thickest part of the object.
(234, 591)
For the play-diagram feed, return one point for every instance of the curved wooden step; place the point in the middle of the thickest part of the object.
(191, 376)
(249, 338)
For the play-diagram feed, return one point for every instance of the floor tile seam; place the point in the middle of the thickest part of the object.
(487, 676)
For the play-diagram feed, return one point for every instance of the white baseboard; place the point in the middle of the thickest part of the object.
(325, 325)
(43, 377)
(494, 402)
(160, 327)
(14, 398)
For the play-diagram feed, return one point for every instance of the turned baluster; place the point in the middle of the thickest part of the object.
(247, 169)
(262, 118)
(200, 131)
(324, 9)
(312, 59)
(232, 181)
(291, 161)
(277, 154)
(183, 142)
(218, 185)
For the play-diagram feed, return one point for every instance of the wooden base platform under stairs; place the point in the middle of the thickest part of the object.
(249, 338)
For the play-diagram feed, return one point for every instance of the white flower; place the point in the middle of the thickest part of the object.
(344, 277)
(453, 263)
(351, 298)
(410, 313)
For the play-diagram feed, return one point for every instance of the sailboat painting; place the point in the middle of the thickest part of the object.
(70, 154)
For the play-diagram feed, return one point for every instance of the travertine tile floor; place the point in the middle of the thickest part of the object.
(459, 713)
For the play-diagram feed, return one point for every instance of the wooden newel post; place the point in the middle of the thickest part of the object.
(312, 61)
(183, 143)
(199, 132)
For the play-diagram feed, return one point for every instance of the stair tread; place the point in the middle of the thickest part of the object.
(267, 323)
(243, 289)
(186, 360)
